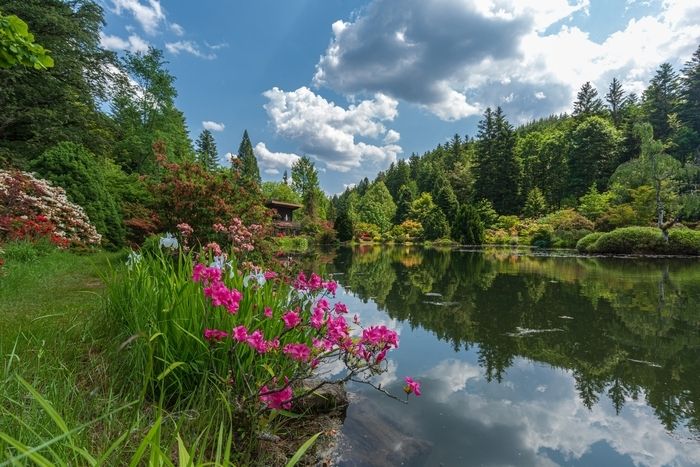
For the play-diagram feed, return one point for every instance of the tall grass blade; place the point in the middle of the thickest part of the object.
(302, 450)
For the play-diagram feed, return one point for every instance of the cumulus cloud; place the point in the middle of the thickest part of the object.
(213, 126)
(452, 70)
(273, 161)
(148, 14)
(177, 29)
(133, 43)
(331, 133)
(188, 47)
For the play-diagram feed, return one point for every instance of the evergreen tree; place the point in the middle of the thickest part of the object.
(587, 101)
(343, 227)
(285, 177)
(435, 225)
(690, 92)
(498, 171)
(661, 100)
(468, 228)
(535, 204)
(593, 156)
(404, 201)
(205, 150)
(248, 162)
(615, 98)
(446, 200)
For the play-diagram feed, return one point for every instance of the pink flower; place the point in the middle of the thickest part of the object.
(299, 352)
(340, 308)
(291, 319)
(300, 282)
(380, 336)
(337, 329)
(214, 334)
(323, 304)
(185, 229)
(315, 281)
(240, 333)
(277, 398)
(268, 312)
(412, 386)
(273, 344)
(205, 275)
(214, 248)
(221, 295)
(270, 275)
(317, 318)
(256, 340)
(331, 287)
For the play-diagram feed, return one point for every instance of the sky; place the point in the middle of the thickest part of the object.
(358, 84)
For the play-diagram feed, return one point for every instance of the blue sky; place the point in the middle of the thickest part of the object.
(358, 84)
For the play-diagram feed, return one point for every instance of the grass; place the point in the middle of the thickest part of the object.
(63, 400)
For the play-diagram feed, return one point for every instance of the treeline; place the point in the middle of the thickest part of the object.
(617, 160)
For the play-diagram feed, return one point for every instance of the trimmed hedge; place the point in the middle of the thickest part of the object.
(642, 240)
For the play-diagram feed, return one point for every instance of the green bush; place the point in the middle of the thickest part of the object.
(542, 236)
(435, 225)
(82, 175)
(584, 244)
(683, 241)
(25, 250)
(298, 244)
(468, 228)
(630, 240)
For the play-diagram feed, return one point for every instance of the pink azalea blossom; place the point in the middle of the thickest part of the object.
(240, 333)
(412, 386)
(277, 399)
(331, 287)
(291, 319)
(299, 352)
(340, 308)
(268, 312)
(270, 275)
(315, 281)
(323, 304)
(215, 334)
(317, 318)
(256, 340)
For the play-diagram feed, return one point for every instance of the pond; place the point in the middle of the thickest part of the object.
(526, 360)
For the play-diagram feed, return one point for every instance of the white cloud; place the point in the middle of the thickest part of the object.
(487, 49)
(272, 171)
(189, 47)
(329, 132)
(213, 126)
(273, 160)
(133, 43)
(229, 156)
(149, 14)
(218, 46)
(177, 29)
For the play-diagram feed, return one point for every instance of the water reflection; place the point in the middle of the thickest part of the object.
(550, 360)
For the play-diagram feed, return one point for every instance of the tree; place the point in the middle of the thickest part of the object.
(62, 103)
(593, 156)
(305, 184)
(422, 207)
(498, 171)
(205, 150)
(248, 162)
(446, 200)
(280, 191)
(17, 46)
(690, 92)
(535, 204)
(145, 113)
(660, 100)
(403, 204)
(615, 99)
(343, 226)
(594, 204)
(587, 101)
(468, 228)
(377, 207)
(435, 225)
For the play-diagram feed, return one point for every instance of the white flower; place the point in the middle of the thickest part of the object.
(133, 259)
(169, 241)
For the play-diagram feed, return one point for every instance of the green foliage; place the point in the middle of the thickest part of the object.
(487, 213)
(280, 191)
(75, 169)
(407, 231)
(446, 200)
(593, 157)
(248, 162)
(366, 232)
(542, 236)
(296, 244)
(343, 227)
(593, 204)
(25, 251)
(568, 227)
(17, 46)
(587, 101)
(435, 225)
(404, 202)
(377, 207)
(585, 243)
(660, 100)
(206, 153)
(689, 106)
(621, 215)
(305, 184)
(535, 204)
(644, 240)
(468, 228)
(422, 207)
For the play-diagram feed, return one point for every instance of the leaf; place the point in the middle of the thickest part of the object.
(138, 455)
(170, 368)
(302, 450)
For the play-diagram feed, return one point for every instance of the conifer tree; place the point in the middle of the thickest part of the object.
(660, 100)
(248, 162)
(690, 92)
(206, 153)
(615, 98)
(404, 202)
(468, 228)
(587, 101)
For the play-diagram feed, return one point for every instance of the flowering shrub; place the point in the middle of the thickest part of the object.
(206, 318)
(31, 208)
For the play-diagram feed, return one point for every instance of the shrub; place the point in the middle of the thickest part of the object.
(496, 237)
(585, 243)
(622, 215)
(630, 240)
(79, 172)
(25, 199)
(25, 250)
(365, 232)
(343, 227)
(435, 225)
(542, 236)
(326, 236)
(297, 244)
(568, 227)
(535, 204)
(408, 231)
(684, 242)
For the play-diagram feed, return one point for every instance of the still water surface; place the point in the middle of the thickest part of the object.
(525, 360)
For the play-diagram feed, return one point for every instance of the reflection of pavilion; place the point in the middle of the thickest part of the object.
(284, 216)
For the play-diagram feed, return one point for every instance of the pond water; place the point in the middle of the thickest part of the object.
(526, 360)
